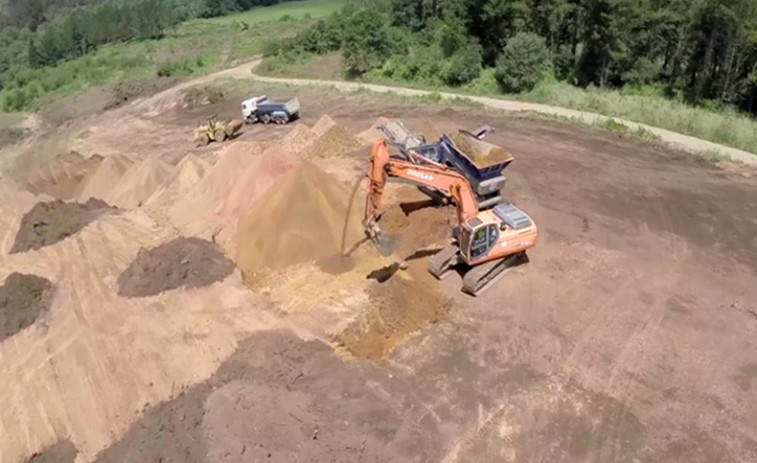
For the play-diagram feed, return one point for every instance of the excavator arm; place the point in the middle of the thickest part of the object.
(429, 174)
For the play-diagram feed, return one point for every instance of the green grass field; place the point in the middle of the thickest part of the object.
(193, 48)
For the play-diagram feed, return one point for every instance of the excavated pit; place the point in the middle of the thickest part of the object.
(182, 262)
(47, 223)
(23, 298)
(401, 304)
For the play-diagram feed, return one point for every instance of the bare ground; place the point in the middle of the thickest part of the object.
(630, 335)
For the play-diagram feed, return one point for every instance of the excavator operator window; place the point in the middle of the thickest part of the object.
(483, 240)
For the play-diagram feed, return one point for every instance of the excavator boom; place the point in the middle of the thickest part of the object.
(428, 174)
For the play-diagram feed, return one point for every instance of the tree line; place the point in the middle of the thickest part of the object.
(41, 33)
(703, 51)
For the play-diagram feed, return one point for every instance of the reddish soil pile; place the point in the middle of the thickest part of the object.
(402, 305)
(303, 218)
(99, 182)
(187, 174)
(49, 223)
(60, 179)
(182, 262)
(208, 194)
(262, 173)
(23, 298)
(139, 183)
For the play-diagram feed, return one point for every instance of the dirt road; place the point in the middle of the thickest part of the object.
(676, 140)
(628, 337)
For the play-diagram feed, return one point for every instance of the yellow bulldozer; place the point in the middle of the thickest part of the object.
(216, 130)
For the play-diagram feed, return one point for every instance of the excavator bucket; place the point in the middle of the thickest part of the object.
(383, 242)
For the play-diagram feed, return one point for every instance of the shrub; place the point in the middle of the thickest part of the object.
(523, 63)
(366, 43)
(463, 66)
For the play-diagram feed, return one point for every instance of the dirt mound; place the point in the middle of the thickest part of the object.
(324, 124)
(60, 179)
(208, 194)
(305, 217)
(100, 182)
(133, 89)
(182, 262)
(373, 133)
(51, 222)
(187, 174)
(139, 183)
(417, 225)
(23, 298)
(333, 140)
(296, 141)
(264, 172)
(402, 305)
(428, 129)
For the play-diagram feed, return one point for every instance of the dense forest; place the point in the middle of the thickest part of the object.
(703, 51)
(39, 33)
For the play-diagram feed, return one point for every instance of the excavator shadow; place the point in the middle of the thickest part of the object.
(521, 260)
(383, 274)
(410, 207)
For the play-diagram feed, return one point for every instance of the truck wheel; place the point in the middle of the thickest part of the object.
(220, 135)
(203, 140)
(265, 118)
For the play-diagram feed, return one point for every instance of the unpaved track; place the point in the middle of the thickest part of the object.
(675, 139)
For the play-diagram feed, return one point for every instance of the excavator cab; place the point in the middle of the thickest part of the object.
(477, 240)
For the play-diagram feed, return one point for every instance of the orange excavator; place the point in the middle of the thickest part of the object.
(486, 242)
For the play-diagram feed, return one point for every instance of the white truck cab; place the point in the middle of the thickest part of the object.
(250, 106)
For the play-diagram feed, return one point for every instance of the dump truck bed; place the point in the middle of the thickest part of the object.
(291, 106)
(479, 153)
(474, 158)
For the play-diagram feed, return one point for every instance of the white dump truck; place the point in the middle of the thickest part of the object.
(261, 109)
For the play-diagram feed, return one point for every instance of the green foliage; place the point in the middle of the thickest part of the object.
(366, 42)
(70, 53)
(524, 62)
(180, 67)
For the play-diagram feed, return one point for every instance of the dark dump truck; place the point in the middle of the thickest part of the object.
(480, 162)
(260, 108)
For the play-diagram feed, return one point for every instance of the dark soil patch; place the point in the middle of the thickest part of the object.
(128, 91)
(187, 262)
(9, 136)
(51, 222)
(204, 95)
(23, 298)
(63, 451)
(336, 264)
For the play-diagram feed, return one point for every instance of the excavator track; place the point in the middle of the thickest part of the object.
(481, 277)
(442, 262)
